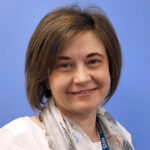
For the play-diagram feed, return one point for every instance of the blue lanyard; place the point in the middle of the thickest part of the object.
(102, 137)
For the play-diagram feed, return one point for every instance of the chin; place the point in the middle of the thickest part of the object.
(87, 108)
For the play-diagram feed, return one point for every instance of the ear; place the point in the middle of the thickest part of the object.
(47, 84)
(47, 81)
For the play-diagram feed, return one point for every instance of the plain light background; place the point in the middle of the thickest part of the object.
(131, 19)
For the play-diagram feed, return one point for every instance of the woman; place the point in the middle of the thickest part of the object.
(73, 66)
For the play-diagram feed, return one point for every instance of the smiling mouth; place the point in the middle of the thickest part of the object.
(83, 92)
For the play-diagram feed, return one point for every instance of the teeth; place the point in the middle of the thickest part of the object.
(83, 92)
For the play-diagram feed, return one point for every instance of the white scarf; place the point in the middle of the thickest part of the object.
(64, 134)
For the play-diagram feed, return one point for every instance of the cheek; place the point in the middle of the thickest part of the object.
(107, 80)
(103, 79)
(58, 83)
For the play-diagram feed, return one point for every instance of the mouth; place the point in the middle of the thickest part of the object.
(83, 92)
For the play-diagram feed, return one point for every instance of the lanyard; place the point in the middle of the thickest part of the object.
(102, 137)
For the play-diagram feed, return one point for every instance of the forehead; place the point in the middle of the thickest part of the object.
(85, 42)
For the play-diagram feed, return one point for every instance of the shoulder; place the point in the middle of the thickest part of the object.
(19, 126)
(18, 132)
(16, 123)
(126, 133)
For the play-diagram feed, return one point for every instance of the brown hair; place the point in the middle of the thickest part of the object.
(49, 38)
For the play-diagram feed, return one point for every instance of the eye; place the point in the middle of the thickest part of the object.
(94, 61)
(64, 66)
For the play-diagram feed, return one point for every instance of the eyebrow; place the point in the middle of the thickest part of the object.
(95, 54)
(88, 56)
(64, 58)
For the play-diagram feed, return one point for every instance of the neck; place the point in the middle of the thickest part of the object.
(87, 122)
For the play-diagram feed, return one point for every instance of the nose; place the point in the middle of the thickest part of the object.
(81, 76)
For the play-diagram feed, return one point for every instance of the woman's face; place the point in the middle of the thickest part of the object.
(80, 80)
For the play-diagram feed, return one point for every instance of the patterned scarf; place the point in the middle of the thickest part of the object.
(64, 134)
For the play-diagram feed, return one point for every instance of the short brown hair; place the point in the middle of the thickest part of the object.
(49, 38)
